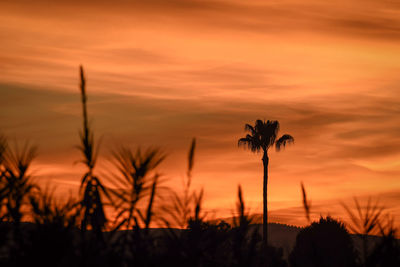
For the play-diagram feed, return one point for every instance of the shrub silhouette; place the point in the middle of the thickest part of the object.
(386, 251)
(50, 241)
(325, 243)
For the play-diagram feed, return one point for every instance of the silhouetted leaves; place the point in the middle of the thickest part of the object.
(283, 140)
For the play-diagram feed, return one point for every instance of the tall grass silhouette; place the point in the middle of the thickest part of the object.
(135, 182)
(182, 203)
(365, 221)
(306, 202)
(91, 203)
(16, 180)
(135, 179)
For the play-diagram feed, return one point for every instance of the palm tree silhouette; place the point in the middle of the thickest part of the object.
(262, 136)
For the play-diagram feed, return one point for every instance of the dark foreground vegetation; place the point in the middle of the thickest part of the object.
(38, 229)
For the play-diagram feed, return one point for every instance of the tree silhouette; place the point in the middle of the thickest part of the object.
(325, 243)
(262, 136)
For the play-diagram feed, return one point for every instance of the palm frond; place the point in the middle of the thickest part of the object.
(250, 128)
(251, 142)
(267, 131)
(283, 140)
(262, 135)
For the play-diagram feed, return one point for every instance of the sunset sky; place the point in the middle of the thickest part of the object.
(162, 72)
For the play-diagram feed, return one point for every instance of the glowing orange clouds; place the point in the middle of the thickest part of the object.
(162, 72)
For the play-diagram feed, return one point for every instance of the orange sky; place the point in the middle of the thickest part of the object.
(162, 72)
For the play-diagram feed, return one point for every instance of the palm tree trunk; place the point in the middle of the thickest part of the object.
(265, 161)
